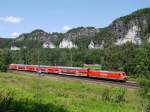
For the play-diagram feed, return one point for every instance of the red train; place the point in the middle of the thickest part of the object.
(74, 71)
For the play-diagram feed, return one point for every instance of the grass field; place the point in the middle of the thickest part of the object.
(27, 93)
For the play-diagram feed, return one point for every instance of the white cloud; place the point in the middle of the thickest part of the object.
(11, 19)
(15, 34)
(67, 27)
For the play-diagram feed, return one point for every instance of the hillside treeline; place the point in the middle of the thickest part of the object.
(133, 59)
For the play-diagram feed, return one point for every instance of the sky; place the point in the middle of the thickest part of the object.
(23, 16)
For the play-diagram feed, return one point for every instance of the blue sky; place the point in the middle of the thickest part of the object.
(20, 16)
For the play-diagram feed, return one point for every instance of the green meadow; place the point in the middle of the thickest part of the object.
(27, 93)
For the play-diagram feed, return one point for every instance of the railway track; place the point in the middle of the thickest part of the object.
(127, 84)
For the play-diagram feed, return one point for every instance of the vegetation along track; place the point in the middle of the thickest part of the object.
(127, 84)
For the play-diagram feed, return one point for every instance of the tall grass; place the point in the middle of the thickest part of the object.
(8, 103)
(145, 93)
(116, 95)
(26, 93)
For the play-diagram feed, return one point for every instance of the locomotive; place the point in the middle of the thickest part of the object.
(72, 71)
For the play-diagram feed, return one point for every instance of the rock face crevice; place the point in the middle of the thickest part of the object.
(134, 28)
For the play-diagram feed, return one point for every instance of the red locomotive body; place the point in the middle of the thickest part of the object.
(108, 75)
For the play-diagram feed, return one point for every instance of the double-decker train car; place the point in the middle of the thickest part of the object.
(53, 69)
(31, 68)
(73, 71)
(13, 66)
(21, 67)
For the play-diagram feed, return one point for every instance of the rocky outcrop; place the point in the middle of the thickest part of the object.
(14, 48)
(67, 44)
(80, 32)
(34, 35)
(59, 40)
(133, 28)
(131, 36)
(92, 45)
(48, 45)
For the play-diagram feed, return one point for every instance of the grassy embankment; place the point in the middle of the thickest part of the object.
(26, 93)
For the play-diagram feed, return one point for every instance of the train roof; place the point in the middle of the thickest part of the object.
(25, 65)
(21, 64)
(110, 71)
(65, 67)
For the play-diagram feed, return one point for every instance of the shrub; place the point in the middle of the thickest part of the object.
(145, 92)
(3, 68)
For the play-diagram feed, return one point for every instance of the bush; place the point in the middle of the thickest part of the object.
(3, 68)
(145, 92)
